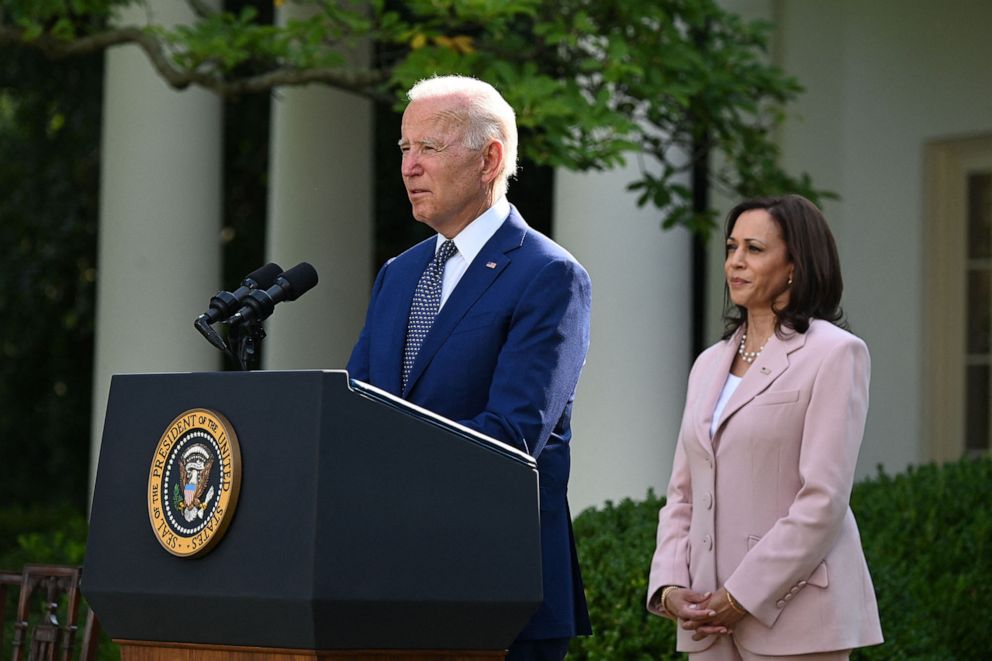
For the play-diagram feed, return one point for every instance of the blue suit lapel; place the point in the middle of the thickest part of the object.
(394, 338)
(481, 273)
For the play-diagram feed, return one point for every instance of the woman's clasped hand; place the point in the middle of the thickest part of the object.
(705, 614)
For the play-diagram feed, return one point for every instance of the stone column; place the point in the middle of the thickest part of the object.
(320, 211)
(160, 215)
(630, 397)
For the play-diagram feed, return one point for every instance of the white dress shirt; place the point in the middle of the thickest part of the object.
(469, 242)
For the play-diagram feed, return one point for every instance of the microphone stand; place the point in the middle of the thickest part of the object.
(244, 328)
(246, 340)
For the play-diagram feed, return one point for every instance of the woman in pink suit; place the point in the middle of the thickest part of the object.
(758, 553)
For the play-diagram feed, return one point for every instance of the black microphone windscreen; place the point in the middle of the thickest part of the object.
(301, 279)
(263, 277)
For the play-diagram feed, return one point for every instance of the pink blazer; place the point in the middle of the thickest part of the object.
(763, 506)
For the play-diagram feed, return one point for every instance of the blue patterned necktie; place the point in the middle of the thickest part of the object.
(426, 303)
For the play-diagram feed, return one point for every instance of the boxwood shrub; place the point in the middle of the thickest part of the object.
(927, 534)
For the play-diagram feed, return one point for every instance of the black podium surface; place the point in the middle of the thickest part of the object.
(363, 522)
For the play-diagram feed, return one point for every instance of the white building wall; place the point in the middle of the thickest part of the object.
(629, 402)
(913, 71)
(159, 237)
(882, 79)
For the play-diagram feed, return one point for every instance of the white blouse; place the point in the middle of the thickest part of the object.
(728, 389)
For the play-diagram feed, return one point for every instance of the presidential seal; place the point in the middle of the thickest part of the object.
(194, 482)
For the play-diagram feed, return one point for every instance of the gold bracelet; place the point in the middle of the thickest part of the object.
(733, 603)
(664, 597)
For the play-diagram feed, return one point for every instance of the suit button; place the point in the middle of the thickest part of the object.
(708, 541)
(708, 501)
(787, 597)
(802, 584)
(709, 461)
(780, 603)
(794, 590)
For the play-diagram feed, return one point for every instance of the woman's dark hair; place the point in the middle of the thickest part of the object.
(816, 281)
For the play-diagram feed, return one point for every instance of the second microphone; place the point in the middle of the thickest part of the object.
(289, 286)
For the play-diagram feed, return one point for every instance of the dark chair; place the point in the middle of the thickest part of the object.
(10, 583)
(46, 593)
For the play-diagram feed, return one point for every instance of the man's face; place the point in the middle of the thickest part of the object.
(443, 178)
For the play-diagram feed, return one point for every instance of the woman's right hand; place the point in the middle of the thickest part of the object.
(688, 607)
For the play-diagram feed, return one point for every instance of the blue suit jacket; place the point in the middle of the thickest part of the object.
(503, 357)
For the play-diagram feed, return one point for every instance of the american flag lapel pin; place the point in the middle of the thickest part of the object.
(490, 265)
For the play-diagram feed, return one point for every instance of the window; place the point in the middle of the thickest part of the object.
(958, 298)
(978, 328)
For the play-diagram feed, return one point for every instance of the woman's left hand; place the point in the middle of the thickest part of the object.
(726, 616)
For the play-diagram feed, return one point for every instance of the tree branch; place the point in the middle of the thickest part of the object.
(360, 81)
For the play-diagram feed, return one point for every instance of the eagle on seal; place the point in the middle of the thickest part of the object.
(194, 472)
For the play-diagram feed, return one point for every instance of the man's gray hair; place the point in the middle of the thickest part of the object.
(487, 116)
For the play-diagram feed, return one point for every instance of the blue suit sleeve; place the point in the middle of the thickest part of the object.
(539, 364)
(358, 363)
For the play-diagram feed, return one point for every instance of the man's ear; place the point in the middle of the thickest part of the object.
(492, 161)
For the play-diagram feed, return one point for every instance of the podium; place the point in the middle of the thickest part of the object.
(364, 527)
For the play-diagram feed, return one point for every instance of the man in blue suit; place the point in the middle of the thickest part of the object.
(486, 323)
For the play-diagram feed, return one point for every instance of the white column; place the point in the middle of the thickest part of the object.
(160, 202)
(630, 397)
(320, 211)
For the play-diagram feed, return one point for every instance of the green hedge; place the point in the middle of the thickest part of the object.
(615, 548)
(927, 534)
(41, 535)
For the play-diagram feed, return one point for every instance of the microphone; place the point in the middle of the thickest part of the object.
(288, 287)
(223, 304)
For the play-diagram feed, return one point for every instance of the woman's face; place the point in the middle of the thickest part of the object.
(757, 265)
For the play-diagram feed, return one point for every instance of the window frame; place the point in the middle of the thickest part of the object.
(947, 164)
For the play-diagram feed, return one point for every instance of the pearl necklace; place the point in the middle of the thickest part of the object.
(749, 356)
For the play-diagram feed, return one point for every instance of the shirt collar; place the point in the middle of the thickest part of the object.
(475, 235)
